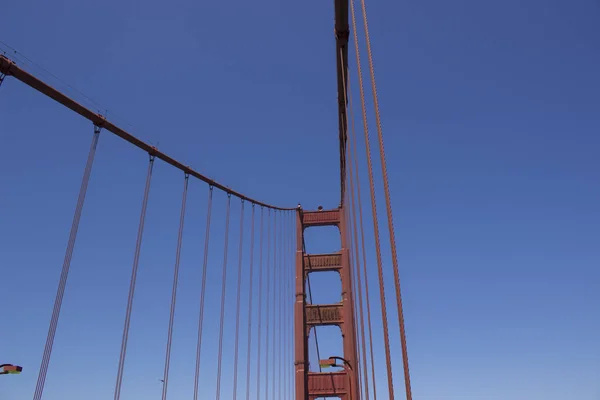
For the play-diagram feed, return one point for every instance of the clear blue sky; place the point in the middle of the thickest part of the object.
(490, 111)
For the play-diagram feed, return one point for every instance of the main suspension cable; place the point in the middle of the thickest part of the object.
(388, 203)
(237, 312)
(134, 271)
(223, 286)
(249, 347)
(174, 292)
(386, 338)
(9, 67)
(203, 292)
(66, 267)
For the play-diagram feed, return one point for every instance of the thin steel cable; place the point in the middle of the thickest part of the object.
(223, 286)
(354, 244)
(293, 245)
(260, 297)
(203, 292)
(285, 304)
(362, 239)
(348, 240)
(292, 286)
(359, 283)
(249, 346)
(281, 306)
(293, 293)
(384, 320)
(134, 271)
(268, 308)
(174, 292)
(361, 368)
(276, 308)
(290, 312)
(356, 261)
(66, 267)
(388, 204)
(239, 297)
(274, 274)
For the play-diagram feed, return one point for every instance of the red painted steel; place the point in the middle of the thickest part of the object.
(321, 218)
(323, 262)
(324, 314)
(311, 385)
(9, 68)
(328, 384)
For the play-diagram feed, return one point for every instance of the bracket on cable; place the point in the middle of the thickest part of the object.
(342, 36)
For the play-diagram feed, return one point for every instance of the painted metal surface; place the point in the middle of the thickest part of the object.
(311, 385)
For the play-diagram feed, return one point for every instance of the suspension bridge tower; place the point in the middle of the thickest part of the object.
(311, 385)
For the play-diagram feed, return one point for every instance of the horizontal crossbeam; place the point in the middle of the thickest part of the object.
(322, 262)
(321, 218)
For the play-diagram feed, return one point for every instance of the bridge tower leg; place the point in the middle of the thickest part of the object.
(311, 385)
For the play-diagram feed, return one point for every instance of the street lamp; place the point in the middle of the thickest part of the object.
(332, 362)
(6, 369)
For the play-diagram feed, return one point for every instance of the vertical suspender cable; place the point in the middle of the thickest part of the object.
(280, 324)
(276, 270)
(292, 288)
(293, 255)
(203, 292)
(66, 266)
(356, 264)
(174, 292)
(286, 297)
(388, 203)
(359, 282)
(268, 308)
(136, 260)
(348, 98)
(276, 307)
(249, 351)
(363, 247)
(274, 275)
(239, 296)
(223, 287)
(260, 297)
(384, 319)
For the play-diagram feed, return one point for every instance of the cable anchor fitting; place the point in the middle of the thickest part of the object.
(100, 123)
